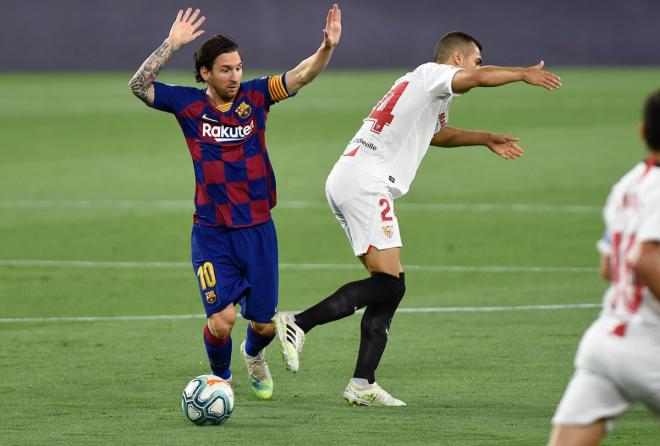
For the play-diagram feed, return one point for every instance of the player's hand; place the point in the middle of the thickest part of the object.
(535, 75)
(185, 28)
(332, 30)
(505, 146)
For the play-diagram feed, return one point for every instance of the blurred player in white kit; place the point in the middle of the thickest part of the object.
(617, 363)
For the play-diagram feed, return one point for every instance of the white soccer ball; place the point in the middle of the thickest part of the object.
(207, 399)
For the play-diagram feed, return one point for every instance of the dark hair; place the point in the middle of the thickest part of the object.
(205, 55)
(451, 41)
(652, 121)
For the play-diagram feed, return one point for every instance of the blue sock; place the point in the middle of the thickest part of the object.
(219, 352)
(254, 342)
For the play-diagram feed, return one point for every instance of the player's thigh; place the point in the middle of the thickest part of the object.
(639, 365)
(591, 435)
(383, 261)
(365, 209)
(589, 398)
(259, 257)
(220, 281)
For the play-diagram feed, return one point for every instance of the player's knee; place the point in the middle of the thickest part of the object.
(390, 287)
(375, 326)
(263, 330)
(221, 324)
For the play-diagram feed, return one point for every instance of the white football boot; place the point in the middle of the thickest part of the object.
(261, 380)
(291, 338)
(369, 395)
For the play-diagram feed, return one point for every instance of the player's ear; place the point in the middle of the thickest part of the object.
(204, 72)
(457, 56)
(642, 132)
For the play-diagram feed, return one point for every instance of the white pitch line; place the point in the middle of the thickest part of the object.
(513, 308)
(295, 266)
(188, 206)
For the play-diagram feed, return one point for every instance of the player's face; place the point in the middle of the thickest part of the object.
(472, 59)
(225, 75)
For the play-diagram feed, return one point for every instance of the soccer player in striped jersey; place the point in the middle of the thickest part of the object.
(377, 166)
(233, 241)
(617, 363)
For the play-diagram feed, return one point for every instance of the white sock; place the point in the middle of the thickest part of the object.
(360, 382)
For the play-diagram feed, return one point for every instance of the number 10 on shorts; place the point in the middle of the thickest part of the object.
(206, 276)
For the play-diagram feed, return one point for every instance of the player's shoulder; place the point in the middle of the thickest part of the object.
(432, 69)
(258, 83)
(180, 90)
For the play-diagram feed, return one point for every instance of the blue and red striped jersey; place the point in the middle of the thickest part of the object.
(235, 183)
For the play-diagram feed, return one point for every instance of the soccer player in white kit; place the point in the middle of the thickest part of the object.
(378, 166)
(617, 362)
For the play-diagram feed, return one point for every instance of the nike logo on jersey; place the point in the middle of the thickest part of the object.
(206, 118)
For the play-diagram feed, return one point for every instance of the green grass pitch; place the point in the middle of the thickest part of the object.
(80, 155)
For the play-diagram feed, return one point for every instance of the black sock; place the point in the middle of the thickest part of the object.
(380, 287)
(374, 328)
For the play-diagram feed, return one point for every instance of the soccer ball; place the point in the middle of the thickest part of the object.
(207, 399)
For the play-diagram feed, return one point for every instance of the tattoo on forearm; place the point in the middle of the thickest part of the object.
(145, 76)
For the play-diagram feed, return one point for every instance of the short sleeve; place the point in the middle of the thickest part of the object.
(173, 98)
(438, 79)
(273, 87)
(649, 227)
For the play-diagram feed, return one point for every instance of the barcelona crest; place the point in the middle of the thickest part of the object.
(243, 110)
(210, 297)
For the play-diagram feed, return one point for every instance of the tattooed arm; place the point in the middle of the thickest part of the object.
(184, 30)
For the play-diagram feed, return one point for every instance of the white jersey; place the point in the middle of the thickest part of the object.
(632, 216)
(396, 135)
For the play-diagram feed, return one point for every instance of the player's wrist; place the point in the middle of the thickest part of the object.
(170, 42)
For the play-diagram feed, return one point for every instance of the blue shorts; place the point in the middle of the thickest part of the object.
(237, 266)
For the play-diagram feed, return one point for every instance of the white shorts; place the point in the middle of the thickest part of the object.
(612, 373)
(364, 207)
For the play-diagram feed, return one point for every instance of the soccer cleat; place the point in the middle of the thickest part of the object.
(261, 380)
(291, 339)
(369, 395)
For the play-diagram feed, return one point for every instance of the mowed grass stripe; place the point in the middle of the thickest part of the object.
(187, 205)
(294, 266)
(513, 308)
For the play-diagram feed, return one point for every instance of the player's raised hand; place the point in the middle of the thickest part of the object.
(332, 30)
(185, 28)
(505, 146)
(535, 75)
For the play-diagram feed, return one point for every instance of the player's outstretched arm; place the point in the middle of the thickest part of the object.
(308, 69)
(491, 76)
(502, 145)
(647, 266)
(184, 30)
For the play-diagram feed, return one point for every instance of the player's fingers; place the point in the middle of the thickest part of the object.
(511, 138)
(337, 13)
(517, 149)
(197, 34)
(178, 16)
(552, 79)
(186, 15)
(552, 84)
(194, 15)
(199, 22)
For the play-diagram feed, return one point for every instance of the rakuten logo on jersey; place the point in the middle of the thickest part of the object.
(223, 133)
